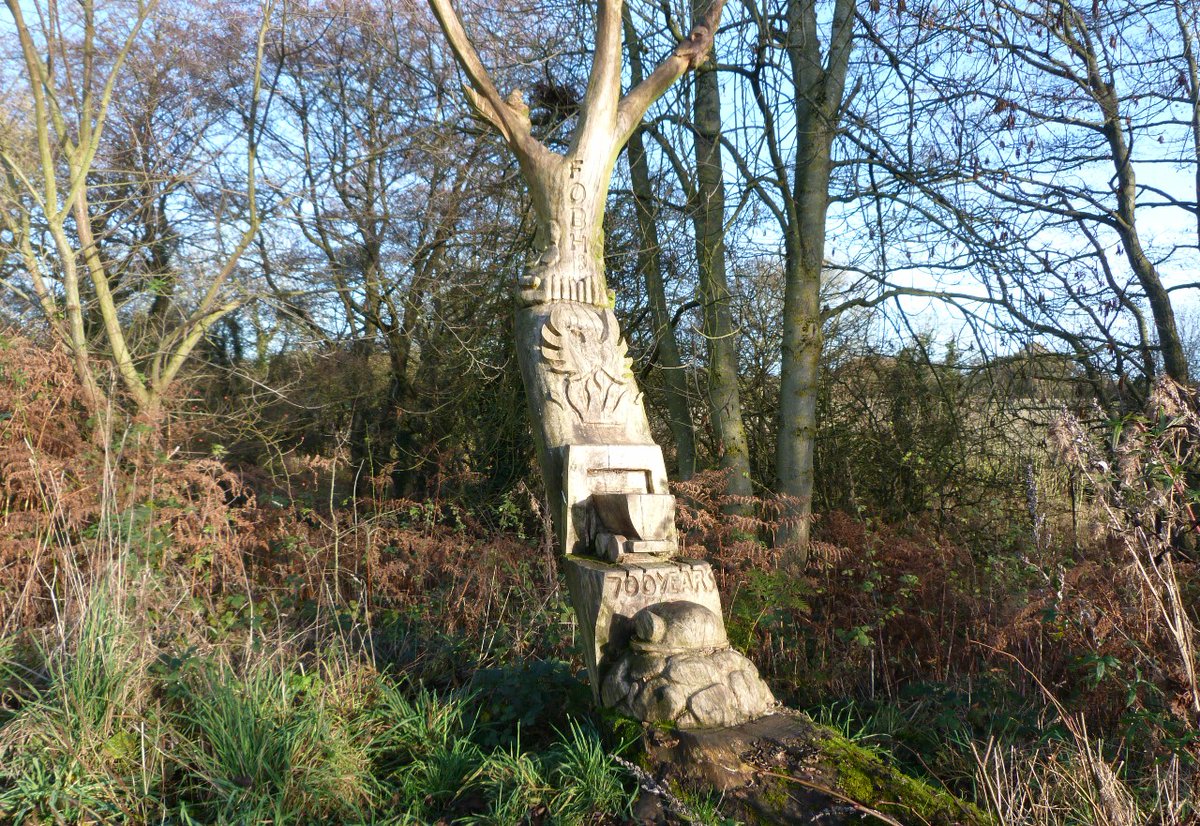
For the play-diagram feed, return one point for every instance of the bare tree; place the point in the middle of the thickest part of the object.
(794, 62)
(384, 188)
(1035, 141)
(87, 220)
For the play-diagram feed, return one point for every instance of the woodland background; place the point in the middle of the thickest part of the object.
(273, 544)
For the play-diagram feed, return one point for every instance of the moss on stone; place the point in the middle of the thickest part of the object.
(864, 776)
(784, 769)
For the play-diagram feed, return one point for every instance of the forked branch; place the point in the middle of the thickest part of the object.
(510, 117)
(685, 58)
(599, 110)
(605, 124)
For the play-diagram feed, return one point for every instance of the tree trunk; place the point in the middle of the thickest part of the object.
(1174, 359)
(708, 216)
(801, 363)
(819, 82)
(666, 349)
(397, 425)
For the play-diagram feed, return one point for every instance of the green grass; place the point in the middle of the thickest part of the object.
(585, 776)
(259, 747)
(103, 726)
(80, 741)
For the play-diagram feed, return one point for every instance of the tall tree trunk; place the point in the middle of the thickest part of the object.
(1174, 360)
(708, 216)
(397, 422)
(820, 82)
(666, 349)
(362, 413)
(801, 348)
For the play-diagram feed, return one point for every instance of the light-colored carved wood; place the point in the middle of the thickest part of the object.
(573, 361)
(569, 190)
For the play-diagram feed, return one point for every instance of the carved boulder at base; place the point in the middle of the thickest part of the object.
(680, 668)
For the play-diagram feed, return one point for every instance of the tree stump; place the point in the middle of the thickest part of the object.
(785, 769)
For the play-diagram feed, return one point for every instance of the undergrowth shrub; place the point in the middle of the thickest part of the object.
(75, 488)
(444, 592)
(876, 606)
(927, 648)
(1139, 612)
(45, 484)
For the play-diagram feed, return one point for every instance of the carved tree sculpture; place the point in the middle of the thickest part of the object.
(579, 386)
(656, 643)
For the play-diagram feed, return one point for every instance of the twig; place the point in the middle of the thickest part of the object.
(817, 787)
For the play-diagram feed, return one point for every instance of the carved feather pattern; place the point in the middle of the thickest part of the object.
(582, 344)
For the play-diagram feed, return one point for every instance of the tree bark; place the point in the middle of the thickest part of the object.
(819, 81)
(801, 348)
(708, 217)
(1174, 359)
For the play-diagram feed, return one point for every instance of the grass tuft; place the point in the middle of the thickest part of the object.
(269, 746)
(587, 778)
(81, 741)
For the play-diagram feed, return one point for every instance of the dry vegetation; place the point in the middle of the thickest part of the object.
(272, 544)
(180, 646)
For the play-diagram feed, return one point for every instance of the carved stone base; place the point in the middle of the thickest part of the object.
(607, 597)
(656, 647)
(707, 688)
